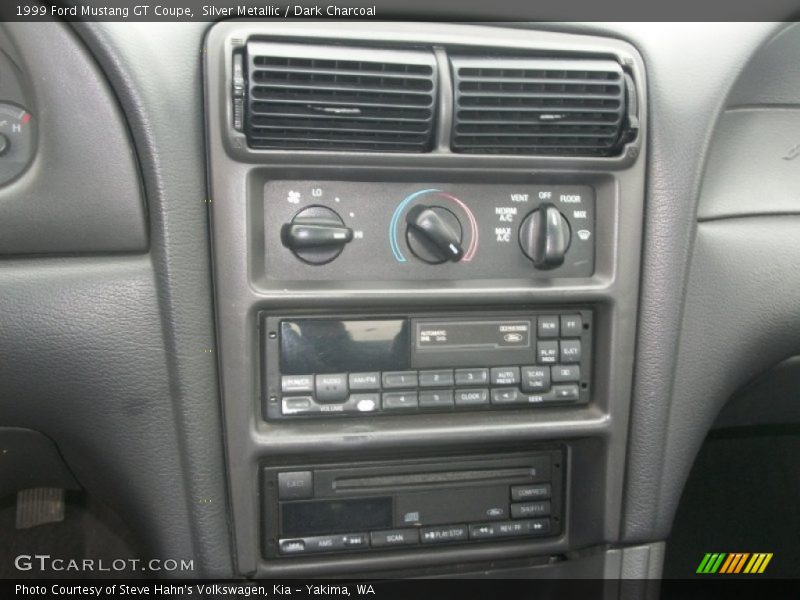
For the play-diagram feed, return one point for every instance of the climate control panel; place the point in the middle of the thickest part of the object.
(364, 231)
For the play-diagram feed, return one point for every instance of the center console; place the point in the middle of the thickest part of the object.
(426, 248)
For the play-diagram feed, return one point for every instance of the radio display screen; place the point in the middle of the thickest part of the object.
(336, 516)
(335, 345)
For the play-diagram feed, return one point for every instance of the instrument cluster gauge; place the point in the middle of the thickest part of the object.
(16, 141)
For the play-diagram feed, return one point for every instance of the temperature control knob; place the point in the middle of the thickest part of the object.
(544, 237)
(434, 234)
(316, 235)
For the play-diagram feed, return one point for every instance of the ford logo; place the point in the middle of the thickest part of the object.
(513, 337)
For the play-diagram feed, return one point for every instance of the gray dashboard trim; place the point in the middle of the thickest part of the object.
(741, 319)
(613, 288)
(63, 203)
(155, 69)
(688, 92)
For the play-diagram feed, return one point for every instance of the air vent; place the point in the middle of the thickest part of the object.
(538, 106)
(306, 97)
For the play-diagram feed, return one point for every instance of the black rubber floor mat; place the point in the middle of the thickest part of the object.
(743, 496)
(87, 531)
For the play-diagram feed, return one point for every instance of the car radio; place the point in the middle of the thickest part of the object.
(405, 504)
(393, 365)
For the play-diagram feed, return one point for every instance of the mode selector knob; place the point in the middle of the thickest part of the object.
(316, 235)
(434, 234)
(544, 237)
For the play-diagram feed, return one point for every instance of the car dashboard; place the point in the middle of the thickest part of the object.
(390, 299)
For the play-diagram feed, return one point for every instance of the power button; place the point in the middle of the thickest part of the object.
(296, 485)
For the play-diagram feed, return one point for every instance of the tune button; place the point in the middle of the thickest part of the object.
(535, 379)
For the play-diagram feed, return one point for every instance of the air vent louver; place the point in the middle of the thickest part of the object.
(306, 97)
(538, 106)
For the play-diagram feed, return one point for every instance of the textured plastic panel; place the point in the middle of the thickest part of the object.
(753, 164)
(773, 75)
(754, 161)
(82, 193)
(187, 496)
(741, 319)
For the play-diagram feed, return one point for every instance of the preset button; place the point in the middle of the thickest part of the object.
(436, 399)
(400, 379)
(400, 400)
(441, 378)
(472, 376)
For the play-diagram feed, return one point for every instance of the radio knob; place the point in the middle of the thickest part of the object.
(544, 237)
(316, 235)
(434, 234)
